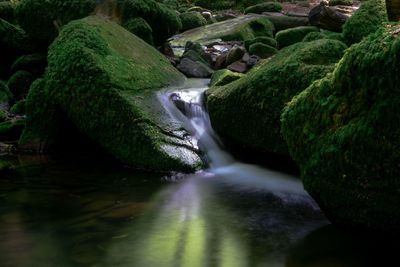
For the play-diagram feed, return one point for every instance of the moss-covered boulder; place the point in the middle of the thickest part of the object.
(11, 130)
(223, 77)
(312, 36)
(247, 111)
(5, 94)
(140, 28)
(164, 21)
(33, 63)
(262, 50)
(294, 35)
(102, 79)
(42, 20)
(343, 131)
(366, 20)
(286, 22)
(262, 39)
(191, 20)
(19, 107)
(264, 7)
(7, 11)
(239, 29)
(19, 83)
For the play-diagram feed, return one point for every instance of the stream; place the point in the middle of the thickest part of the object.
(63, 213)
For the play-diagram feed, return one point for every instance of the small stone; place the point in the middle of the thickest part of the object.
(238, 66)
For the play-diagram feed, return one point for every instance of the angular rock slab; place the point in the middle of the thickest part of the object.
(103, 79)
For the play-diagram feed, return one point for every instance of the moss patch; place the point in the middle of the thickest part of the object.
(264, 7)
(5, 94)
(247, 111)
(223, 77)
(262, 50)
(366, 20)
(191, 20)
(262, 39)
(140, 28)
(102, 78)
(294, 35)
(343, 133)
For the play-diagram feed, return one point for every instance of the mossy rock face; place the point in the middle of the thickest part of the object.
(366, 20)
(223, 77)
(102, 79)
(191, 20)
(262, 39)
(5, 94)
(34, 63)
(164, 21)
(341, 2)
(7, 11)
(262, 50)
(19, 83)
(343, 131)
(140, 28)
(294, 35)
(247, 111)
(264, 7)
(239, 29)
(42, 20)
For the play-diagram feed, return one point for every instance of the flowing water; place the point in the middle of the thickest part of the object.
(60, 213)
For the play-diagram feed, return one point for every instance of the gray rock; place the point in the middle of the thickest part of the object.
(238, 66)
(194, 69)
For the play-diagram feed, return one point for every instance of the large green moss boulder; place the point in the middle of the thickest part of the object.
(223, 77)
(262, 39)
(42, 20)
(19, 83)
(343, 131)
(247, 111)
(34, 63)
(239, 29)
(264, 7)
(262, 50)
(366, 20)
(191, 20)
(101, 79)
(293, 35)
(164, 21)
(140, 28)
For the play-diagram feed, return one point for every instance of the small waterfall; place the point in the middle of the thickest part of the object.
(186, 105)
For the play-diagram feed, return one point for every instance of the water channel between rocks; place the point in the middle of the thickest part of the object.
(229, 214)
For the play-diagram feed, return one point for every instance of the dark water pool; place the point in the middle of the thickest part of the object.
(58, 213)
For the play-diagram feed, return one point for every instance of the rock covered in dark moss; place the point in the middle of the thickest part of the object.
(343, 131)
(236, 53)
(164, 21)
(191, 20)
(140, 28)
(262, 39)
(264, 7)
(42, 20)
(33, 63)
(286, 22)
(11, 130)
(262, 50)
(366, 20)
(340, 2)
(247, 111)
(102, 80)
(223, 77)
(5, 94)
(19, 107)
(19, 83)
(312, 36)
(7, 11)
(290, 36)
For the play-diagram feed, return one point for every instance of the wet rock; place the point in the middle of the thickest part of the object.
(235, 54)
(327, 18)
(238, 66)
(251, 61)
(195, 69)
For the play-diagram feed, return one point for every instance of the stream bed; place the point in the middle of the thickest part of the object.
(67, 214)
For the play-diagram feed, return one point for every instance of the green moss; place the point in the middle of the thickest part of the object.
(19, 83)
(264, 7)
(260, 26)
(164, 21)
(34, 63)
(312, 36)
(192, 20)
(257, 99)
(19, 107)
(5, 94)
(366, 20)
(13, 39)
(294, 35)
(286, 22)
(262, 39)
(343, 133)
(262, 50)
(42, 20)
(341, 2)
(3, 115)
(223, 77)
(103, 78)
(11, 130)
(140, 28)
(7, 11)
